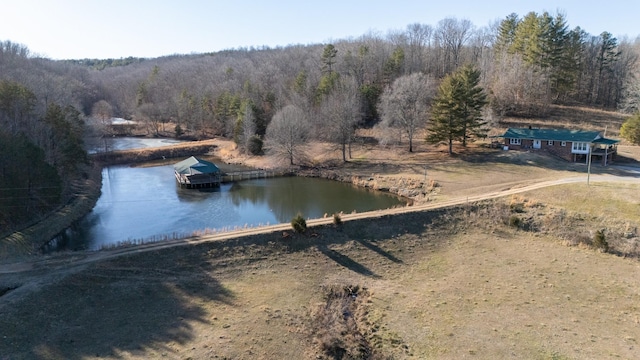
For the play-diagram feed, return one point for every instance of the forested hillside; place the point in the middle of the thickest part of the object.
(524, 65)
(41, 132)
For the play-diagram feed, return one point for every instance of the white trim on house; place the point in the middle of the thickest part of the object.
(513, 141)
(579, 147)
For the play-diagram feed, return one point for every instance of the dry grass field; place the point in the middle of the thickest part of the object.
(518, 277)
(574, 117)
(448, 284)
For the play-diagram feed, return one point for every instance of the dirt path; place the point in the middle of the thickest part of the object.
(66, 261)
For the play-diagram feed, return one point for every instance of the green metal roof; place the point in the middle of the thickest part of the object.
(556, 135)
(606, 141)
(193, 165)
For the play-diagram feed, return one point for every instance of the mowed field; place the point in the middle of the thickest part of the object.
(464, 282)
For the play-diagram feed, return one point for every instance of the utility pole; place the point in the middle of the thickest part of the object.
(589, 165)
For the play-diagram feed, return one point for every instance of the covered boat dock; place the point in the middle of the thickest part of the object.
(197, 173)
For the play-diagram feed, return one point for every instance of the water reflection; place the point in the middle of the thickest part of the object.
(311, 197)
(194, 195)
(143, 203)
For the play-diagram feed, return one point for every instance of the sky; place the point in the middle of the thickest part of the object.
(77, 29)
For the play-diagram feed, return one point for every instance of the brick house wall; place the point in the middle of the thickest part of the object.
(555, 148)
(558, 149)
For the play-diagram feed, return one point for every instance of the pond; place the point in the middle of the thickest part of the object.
(146, 203)
(105, 144)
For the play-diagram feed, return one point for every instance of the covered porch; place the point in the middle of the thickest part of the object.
(604, 151)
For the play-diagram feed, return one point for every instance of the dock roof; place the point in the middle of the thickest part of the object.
(194, 165)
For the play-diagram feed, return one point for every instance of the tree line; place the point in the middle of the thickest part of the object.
(41, 154)
(526, 64)
(447, 78)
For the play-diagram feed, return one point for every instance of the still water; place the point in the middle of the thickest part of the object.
(147, 203)
(97, 145)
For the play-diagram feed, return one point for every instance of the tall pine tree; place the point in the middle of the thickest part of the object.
(445, 124)
(472, 102)
(543, 41)
(506, 33)
(456, 113)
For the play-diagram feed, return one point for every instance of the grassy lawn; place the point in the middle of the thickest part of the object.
(605, 200)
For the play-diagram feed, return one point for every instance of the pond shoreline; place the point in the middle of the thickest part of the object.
(29, 240)
(32, 239)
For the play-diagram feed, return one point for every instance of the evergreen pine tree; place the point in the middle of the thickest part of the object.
(445, 113)
(506, 33)
(456, 113)
(328, 58)
(473, 99)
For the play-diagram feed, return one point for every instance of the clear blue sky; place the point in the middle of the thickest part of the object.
(72, 29)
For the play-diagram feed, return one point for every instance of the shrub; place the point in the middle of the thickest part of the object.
(515, 221)
(178, 130)
(600, 241)
(299, 224)
(255, 145)
(518, 204)
(630, 129)
(517, 207)
(337, 220)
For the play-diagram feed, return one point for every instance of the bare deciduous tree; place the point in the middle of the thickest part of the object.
(419, 39)
(151, 116)
(452, 34)
(405, 104)
(102, 112)
(248, 127)
(340, 113)
(631, 97)
(519, 89)
(288, 133)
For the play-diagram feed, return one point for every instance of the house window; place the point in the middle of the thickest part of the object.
(550, 142)
(515, 141)
(580, 146)
(563, 143)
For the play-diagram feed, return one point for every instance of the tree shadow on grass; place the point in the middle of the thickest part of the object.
(138, 304)
(346, 261)
(373, 247)
(143, 305)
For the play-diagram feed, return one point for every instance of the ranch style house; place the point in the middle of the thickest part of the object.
(571, 145)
